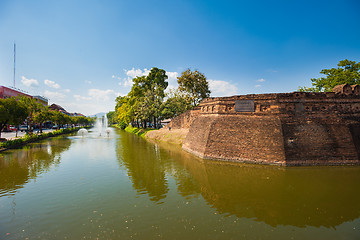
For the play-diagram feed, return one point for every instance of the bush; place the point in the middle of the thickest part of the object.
(122, 125)
(138, 131)
(33, 137)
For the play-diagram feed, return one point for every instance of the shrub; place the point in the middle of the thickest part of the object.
(33, 137)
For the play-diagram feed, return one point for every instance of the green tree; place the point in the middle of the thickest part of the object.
(194, 84)
(155, 93)
(111, 117)
(175, 104)
(124, 109)
(34, 107)
(19, 112)
(12, 112)
(58, 117)
(82, 121)
(144, 100)
(346, 72)
(41, 115)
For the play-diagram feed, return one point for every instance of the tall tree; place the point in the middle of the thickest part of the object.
(194, 83)
(346, 72)
(33, 107)
(19, 113)
(111, 117)
(142, 102)
(12, 112)
(124, 109)
(59, 118)
(41, 115)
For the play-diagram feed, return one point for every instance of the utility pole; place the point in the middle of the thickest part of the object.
(14, 61)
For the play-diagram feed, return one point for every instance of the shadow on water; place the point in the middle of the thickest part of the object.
(18, 167)
(145, 166)
(297, 196)
(280, 196)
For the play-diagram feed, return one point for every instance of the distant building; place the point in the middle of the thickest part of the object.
(56, 107)
(6, 92)
(77, 115)
(42, 100)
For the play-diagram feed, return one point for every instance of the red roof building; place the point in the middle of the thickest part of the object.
(56, 107)
(6, 92)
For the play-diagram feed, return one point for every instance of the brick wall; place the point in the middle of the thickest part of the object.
(286, 128)
(237, 138)
(318, 141)
(185, 119)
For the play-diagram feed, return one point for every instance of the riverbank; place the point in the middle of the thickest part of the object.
(138, 131)
(174, 136)
(14, 143)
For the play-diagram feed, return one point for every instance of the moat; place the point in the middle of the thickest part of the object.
(123, 187)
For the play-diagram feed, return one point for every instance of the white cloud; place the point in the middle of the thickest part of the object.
(172, 79)
(220, 88)
(102, 95)
(88, 107)
(79, 98)
(54, 95)
(51, 84)
(29, 82)
(261, 80)
(125, 82)
(130, 74)
(136, 72)
(133, 73)
(172, 75)
(67, 90)
(258, 85)
(88, 82)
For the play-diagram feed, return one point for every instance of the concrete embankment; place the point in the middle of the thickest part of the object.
(17, 142)
(174, 136)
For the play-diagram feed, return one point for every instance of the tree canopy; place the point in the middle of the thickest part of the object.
(346, 72)
(16, 111)
(12, 112)
(194, 84)
(176, 103)
(147, 101)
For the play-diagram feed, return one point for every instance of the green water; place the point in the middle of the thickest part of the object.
(123, 187)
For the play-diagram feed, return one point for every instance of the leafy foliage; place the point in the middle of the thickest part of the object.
(147, 101)
(176, 103)
(111, 117)
(194, 84)
(31, 138)
(11, 112)
(16, 110)
(346, 72)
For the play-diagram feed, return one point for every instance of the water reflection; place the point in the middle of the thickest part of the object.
(145, 165)
(299, 197)
(18, 167)
(307, 196)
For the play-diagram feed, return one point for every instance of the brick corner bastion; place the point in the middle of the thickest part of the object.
(290, 129)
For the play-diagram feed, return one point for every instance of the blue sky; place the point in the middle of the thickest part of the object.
(82, 54)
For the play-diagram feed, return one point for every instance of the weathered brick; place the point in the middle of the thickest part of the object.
(296, 128)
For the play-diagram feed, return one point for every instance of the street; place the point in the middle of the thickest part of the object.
(11, 135)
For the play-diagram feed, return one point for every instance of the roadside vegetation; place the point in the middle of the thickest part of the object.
(148, 102)
(28, 111)
(33, 138)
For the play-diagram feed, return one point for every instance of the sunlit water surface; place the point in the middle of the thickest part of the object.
(122, 187)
